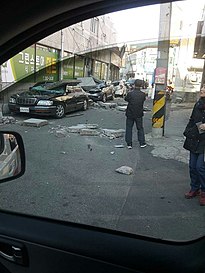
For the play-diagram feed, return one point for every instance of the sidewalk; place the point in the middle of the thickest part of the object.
(170, 146)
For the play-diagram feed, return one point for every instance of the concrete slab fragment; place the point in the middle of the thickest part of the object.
(89, 132)
(113, 133)
(121, 108)
(77, 128)
(125, 170)
(34, 122)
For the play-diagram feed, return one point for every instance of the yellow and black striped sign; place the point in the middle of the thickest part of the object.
(158, 110)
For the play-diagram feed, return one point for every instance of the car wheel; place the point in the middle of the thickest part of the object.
(60, 111)
(85, 105)
(104, 98)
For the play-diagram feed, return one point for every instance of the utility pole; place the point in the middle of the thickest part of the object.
(61, 55)
(161, 71)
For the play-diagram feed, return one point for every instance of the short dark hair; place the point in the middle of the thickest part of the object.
(138, 83)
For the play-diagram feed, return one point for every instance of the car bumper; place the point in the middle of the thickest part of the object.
(95, 97)
(41, 110)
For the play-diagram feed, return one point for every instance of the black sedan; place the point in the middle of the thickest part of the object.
(56, 100)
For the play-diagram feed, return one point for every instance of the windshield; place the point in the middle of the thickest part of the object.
(106, 159)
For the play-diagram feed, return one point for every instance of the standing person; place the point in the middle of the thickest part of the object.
(134, 114)
(195, 143)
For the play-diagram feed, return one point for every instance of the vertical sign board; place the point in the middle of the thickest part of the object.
(160, 75)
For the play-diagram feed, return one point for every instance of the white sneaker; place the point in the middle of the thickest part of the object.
(129, 147)
(143, 145)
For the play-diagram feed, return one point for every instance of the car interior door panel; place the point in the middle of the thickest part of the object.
(68, 247)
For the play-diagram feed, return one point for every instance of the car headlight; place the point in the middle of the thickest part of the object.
(45, 102)
(12, 100)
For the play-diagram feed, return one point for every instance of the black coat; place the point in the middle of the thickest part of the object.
(195, 142)
(135, 99)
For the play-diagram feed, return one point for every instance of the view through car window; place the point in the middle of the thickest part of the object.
(69, 96)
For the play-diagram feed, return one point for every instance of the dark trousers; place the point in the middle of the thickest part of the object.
(140, 130)
(197, 171)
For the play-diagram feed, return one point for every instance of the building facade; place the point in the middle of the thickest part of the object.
(83, 49)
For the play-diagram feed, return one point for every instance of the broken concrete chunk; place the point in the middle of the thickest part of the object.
(7, 120)
(91, 126)
(119, 146)
(121, 108)
(77, 128)
(61, 133)
(113, 133)
(34, 122)
(107, 105)
(89, 132)
(125, 170)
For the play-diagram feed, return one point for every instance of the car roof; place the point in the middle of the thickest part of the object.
(63, 83)
(22, 23)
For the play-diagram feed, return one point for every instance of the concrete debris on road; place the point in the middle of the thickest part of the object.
(119, 105)
(119, 146)
(34, 122)
(107, 105)
(87, 130)
(7, 120)
(111, 133)
(121, 108)
(61, 133)
(77, 128)
(125, 170)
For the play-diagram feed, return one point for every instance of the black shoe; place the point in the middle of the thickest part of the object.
(143, 145)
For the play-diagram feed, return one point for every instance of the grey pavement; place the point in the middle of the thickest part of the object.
(78, 182)
(170, 145)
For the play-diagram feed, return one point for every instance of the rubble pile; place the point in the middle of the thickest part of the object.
(87, 130)
(7, 120)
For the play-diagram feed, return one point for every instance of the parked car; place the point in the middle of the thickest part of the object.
(102, 92)
(54, 100)
(120, 89)
(130, 84)
(90, 82)
(97, 90)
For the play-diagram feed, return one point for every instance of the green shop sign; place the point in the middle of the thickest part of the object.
(43, 61)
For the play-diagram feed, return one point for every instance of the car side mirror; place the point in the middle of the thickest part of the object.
(12, 156)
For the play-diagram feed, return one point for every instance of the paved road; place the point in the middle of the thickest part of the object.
(73, 178)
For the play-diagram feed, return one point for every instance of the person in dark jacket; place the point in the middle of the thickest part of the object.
(134, 114)
(195, 143)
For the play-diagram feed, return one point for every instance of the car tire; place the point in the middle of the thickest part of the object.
(60, 111)
(104, 98)
(85, 105)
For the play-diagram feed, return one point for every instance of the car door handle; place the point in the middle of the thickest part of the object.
(15, 254)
